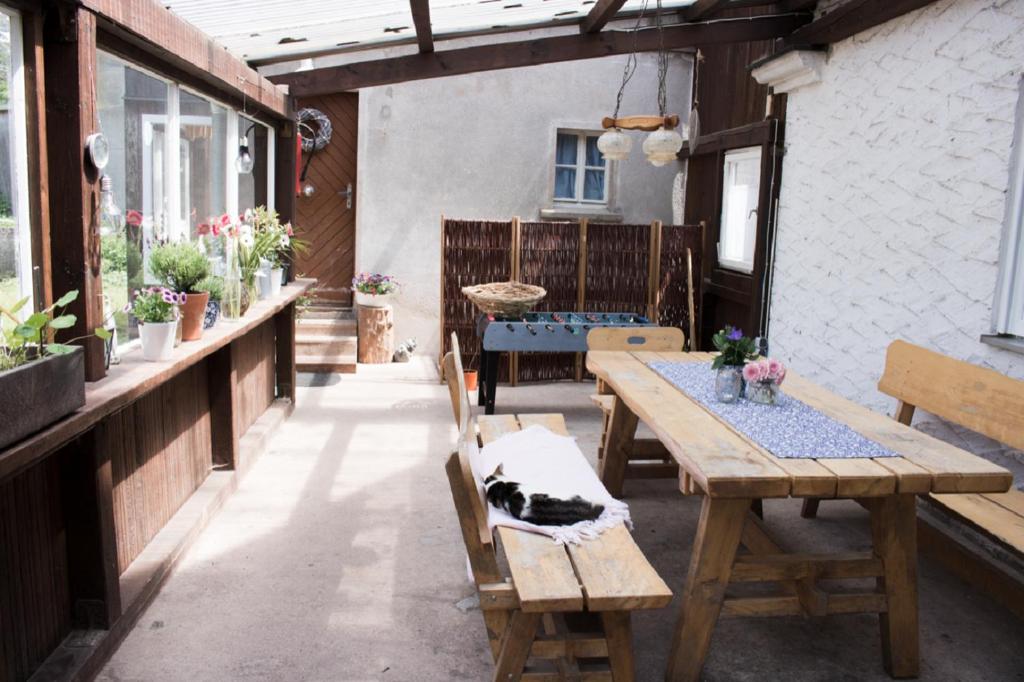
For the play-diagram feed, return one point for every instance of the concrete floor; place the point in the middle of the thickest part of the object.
(339, 558)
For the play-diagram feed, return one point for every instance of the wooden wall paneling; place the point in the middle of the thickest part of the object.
(673, 288)
(284, 366)
(254, 364)
(35, 601)
(323, 218)
(87, 498)
(39, 182)
(70, 72)
(223, 395)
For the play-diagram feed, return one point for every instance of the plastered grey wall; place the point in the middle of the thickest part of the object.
(481, 146)
(893, 195)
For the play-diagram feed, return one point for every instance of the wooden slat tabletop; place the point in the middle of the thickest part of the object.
(726, 464)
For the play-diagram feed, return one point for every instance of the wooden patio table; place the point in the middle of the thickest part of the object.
(732, 472)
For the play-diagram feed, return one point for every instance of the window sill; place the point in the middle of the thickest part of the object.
(1014, 344)
(597, 214)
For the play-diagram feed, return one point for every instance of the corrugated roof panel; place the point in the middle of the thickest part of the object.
(270, 29)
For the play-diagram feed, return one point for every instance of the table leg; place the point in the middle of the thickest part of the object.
(714, 549)
(493, 362)
(481, 379)
(894, 529)
(515, 645)
(617, 445)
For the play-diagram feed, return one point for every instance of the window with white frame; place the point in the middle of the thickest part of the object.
(741, 187)
(16, 271)
(172, 167)
(581, 173)
(1009, 304)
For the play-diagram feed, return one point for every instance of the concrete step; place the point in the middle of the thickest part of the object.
(342, 364)
(324, 344)
(328, 313)
(329, 327)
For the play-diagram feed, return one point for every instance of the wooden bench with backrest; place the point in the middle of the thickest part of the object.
(975, 398)
(546, 608)
(647, 457)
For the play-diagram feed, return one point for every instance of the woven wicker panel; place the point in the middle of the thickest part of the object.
(550, 258)
(617, 268)
(475, 252)
(674, 307)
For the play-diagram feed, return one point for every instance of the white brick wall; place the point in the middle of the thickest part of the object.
(893, 194)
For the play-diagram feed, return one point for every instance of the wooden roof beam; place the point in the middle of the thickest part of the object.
(510, 55)
(600, 14)
(421, 20)
(851, 18)
(702, 8)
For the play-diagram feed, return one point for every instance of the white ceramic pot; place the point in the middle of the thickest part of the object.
(157, 340)
(372, 300)
(263, 281)
(276, 277)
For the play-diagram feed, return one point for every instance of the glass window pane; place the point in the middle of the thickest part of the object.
(203, 150)
(741, 184)
(252, 187)
(16, 273)
(565, 150)
(593, 185)
(594, 157)
(565, 183)
(132, 109)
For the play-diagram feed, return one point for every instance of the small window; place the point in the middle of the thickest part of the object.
(580, 172)
(741, 186)
(1009, 304)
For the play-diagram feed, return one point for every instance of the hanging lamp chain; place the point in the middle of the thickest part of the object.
(631, 62)
(662, 63)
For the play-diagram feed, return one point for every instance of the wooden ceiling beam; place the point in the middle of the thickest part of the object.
(421, 20)
(702, 8)
(530, 52)
(600, 14)
(851, 18)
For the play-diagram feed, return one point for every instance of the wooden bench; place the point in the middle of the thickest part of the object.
(976, 398)
(648, 458)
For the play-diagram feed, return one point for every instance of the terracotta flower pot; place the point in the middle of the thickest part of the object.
(470, 375)
(193, 312)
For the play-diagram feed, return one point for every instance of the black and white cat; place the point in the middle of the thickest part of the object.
(537, 507)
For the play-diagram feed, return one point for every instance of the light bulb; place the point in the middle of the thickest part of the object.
(111, 218)
(614, 144)
(662, 146)
(244, 162)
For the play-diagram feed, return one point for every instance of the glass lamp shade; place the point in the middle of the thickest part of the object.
(662, 146)
(614, 144)
(244, 163)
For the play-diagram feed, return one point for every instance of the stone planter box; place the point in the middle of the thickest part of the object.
(40, 393)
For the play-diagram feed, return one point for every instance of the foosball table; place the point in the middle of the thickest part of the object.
(560, 332)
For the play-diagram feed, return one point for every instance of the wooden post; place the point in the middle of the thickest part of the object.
(517, 265)
(87, 496)
(39, 182)
(284, 178)
(284, 329)
(376, 334)
(581, 286)
(653, 271)
(222, 371)
(441, 298)
(70, 71)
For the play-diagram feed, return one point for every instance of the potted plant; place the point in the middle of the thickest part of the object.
(254, 245)
(214, 286)
(40, 382)
(278, 245)
(374, 290)
(181, 267)
(734, 349)
(157, 310)
(763, 377)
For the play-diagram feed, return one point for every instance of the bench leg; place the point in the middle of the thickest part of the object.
(894, 529)
(515, 646)
(619, 633)
(617, 446)
(809, 510)
(714, 550)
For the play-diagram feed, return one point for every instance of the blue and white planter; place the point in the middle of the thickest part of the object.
(212, 314)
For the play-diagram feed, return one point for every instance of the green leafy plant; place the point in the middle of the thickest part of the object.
(254, 247)
(156, 305)
(733, 347)
(180, 266)
(29, 340)
(213, 285)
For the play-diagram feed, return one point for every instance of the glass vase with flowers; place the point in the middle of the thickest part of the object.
(763, 377)
(734, 350)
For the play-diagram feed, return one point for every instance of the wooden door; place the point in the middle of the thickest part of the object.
(325, 219)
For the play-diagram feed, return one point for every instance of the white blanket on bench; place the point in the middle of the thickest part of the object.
(555, 465)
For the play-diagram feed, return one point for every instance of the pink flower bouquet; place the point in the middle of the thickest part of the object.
(763, 377)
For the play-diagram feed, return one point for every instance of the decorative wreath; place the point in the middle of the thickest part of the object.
(314, 129)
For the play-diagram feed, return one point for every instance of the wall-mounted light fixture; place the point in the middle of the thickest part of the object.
(244, 163)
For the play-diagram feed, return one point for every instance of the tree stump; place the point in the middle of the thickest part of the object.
(376, 335)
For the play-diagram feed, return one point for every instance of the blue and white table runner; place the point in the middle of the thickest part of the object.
(791, 429)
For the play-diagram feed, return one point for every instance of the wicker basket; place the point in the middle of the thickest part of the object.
(505, 299)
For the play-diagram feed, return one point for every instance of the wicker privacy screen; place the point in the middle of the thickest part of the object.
(584, 267)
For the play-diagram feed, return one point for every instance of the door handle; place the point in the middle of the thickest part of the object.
(348, 195)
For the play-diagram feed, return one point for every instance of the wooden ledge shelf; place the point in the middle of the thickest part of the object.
(135, 377)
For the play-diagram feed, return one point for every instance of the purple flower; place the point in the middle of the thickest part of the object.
(169, 297)
(181, 298)
(735, 334)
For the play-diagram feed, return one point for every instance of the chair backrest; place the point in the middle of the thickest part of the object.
(656, 339)
(472, 512)
(452, 368)
(976, 398)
